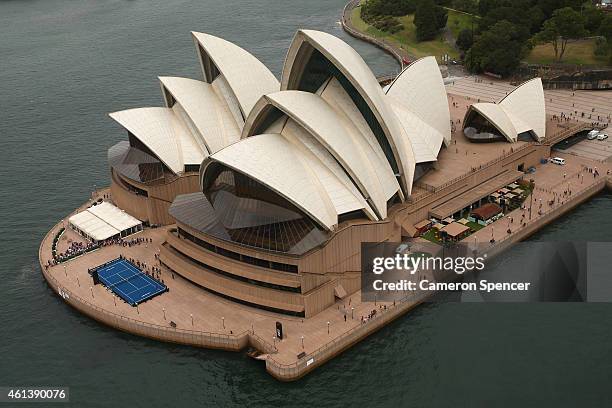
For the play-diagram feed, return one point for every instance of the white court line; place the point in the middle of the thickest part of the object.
(131, 268)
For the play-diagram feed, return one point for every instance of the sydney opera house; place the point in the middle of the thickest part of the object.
(271, 187)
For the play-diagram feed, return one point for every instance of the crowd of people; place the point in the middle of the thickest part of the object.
(372, 314)
(77, 248)
(150, 270)
(135, 241)
(601, 121)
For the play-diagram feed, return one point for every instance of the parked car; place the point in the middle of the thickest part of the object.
(602, 136)
(592, 134)
(558, 160)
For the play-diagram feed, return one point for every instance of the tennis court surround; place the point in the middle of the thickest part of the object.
(127, 281)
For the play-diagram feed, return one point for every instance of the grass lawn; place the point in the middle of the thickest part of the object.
(406, 38)
(578, 52)
(474, 226)
(430, 235)
(457, 21)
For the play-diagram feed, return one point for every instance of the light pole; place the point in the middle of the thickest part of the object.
(164, 310)
(352, 313)
(530, 203)
(327, 327)
(91, 290)
(302, 342)
(191, 315)
(223, 321)
(66, 273)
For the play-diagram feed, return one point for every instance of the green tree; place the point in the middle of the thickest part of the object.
(536, 18)
(469, 6)
(498, 50)
(605, 30)
(549, 6)
(429, 19)
(485, 6)
(465, 39)
(374, 9)
(564, 25)
(593, 18)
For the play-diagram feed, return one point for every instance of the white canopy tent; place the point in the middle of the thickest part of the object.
(103, 221)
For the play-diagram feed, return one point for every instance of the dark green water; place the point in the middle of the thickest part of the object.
(63, 66)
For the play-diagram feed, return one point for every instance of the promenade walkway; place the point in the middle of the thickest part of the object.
(555, 186)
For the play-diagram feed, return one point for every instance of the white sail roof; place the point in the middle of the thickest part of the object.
(424, 139)
(373, 177)
(274, 162)
(419, 89)
(164, 134)
(498, 118)
(247, 77)
(354, 68)
(341, 191)
(522, 110)
(208, 112)
(526, 107)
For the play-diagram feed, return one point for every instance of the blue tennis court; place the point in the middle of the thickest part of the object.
(129, 282)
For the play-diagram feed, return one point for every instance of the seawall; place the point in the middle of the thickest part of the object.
(302, 366)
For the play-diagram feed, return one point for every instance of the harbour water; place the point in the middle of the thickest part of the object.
(63, 66)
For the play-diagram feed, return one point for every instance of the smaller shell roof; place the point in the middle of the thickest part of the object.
(526, 106)
(496, 115)
(522, 110)
(164, 134)
(209, 113)
(248, 78)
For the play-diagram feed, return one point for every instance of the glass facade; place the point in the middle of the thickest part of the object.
(134, 163)
(237, 208)
(479, 130)
(283, 267)
(270, 115)
(210, 69)
(223, 273)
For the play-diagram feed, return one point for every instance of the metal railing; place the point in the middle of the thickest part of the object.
(473, 171)
(567, 133)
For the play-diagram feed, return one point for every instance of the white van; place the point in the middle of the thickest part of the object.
(593, 134)
(558, 160)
